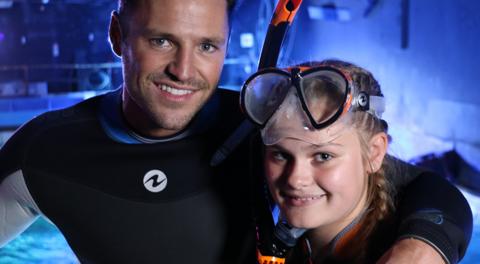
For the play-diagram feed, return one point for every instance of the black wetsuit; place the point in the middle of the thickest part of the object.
(87, 172)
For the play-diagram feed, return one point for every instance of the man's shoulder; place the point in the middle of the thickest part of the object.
(80, 112)
(50, 129)
(56, 120)
(402, 172)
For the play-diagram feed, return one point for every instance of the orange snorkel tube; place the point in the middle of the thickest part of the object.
(282, 18)
(273, 241)
(285, 11)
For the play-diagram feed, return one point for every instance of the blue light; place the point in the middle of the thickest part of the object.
(55, 50)
(246, 40)
(329, 13)
(2, 36)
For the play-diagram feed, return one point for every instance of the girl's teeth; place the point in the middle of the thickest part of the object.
(306, 198)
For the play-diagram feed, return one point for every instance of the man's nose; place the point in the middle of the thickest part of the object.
(182, 66)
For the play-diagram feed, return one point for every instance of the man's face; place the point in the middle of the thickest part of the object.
(173, 54)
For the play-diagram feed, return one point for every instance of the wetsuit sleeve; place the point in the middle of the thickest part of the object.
(17, 208)
(435, 211)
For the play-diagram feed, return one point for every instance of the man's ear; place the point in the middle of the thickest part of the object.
(115, 34)
(378, 149)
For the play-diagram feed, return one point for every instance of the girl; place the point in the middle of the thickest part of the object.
(325, 158)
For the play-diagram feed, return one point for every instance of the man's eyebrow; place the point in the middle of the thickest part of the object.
(154, 32)
(214, 40)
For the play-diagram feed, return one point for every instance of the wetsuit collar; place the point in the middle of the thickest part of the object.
(339, 245)
(115, 126)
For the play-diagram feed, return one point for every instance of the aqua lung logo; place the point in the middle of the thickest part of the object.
(155, 181)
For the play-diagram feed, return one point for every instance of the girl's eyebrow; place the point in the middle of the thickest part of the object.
(319, 146)
(309, 147)
(277, 147)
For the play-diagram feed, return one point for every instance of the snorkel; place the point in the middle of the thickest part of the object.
(273, 243)
(282, 18)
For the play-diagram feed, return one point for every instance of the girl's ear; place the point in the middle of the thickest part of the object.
(378, 146)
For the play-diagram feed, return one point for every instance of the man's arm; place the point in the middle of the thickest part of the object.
(411, 250)
(17, 208)
(433, 212)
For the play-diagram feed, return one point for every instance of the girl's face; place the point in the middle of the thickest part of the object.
(318, 186)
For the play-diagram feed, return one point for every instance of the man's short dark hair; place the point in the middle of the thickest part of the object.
(127, 7)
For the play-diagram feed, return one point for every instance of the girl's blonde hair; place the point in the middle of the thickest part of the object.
(380, 189)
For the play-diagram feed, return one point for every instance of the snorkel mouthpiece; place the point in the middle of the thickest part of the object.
(284, 238)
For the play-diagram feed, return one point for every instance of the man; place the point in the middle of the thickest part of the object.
(126, 176)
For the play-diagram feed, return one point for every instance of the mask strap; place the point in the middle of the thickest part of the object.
(377, 106)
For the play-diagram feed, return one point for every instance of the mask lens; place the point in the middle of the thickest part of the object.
(324, 93)
(263, 94)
